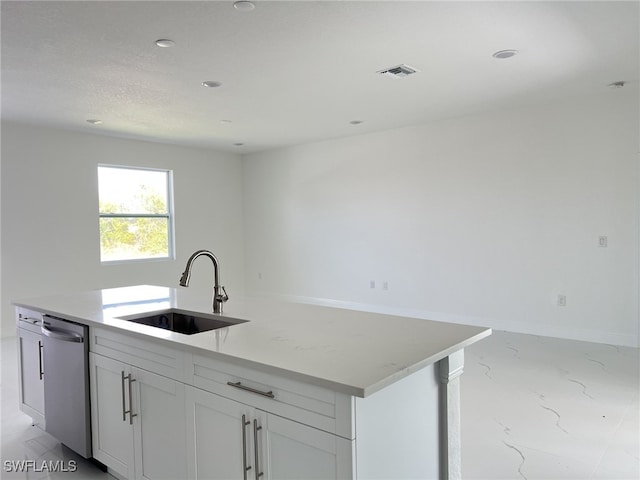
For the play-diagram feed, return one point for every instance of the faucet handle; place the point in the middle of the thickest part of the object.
(222, 297)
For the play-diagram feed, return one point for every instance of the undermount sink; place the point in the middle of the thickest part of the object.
(181, 321)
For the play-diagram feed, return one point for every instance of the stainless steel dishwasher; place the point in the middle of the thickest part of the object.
(66, 383)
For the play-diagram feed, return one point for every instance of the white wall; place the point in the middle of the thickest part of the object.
(50, 238)
(482, 220)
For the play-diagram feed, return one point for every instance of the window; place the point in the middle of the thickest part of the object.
(136, 219)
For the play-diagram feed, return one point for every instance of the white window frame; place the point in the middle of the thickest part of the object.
(171, 255)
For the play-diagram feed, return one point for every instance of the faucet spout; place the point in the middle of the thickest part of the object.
(219, 293)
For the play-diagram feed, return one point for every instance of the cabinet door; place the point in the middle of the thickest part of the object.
(219, 437)
(294, 451)
(112, 430)
(160, 427)
(31, 375)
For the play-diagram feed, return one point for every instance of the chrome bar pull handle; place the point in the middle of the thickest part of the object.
(130, 379)
(40, 359)
(124, 407)
(245, 468)
(256, 429)
(131, 414)
(252, 390)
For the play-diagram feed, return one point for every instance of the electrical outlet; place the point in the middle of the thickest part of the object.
(372, 284)
(602, 241)
(562, 300)
(385, 285)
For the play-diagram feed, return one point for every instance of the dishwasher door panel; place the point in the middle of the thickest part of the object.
(66, 383)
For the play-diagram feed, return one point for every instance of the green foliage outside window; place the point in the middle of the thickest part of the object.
(137, 226)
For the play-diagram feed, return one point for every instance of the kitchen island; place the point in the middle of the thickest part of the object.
(289, 391)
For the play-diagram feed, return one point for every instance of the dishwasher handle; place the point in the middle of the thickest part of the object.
(60, 334)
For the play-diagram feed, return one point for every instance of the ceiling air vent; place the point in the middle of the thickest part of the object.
(398, 72)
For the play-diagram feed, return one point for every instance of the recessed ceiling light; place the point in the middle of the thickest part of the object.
(619, 84)
(165, 43)
(239, 144)
(211, 84)
(225, 121)
(94, 121)
(505, 54)
(244, 6)
(355, 122)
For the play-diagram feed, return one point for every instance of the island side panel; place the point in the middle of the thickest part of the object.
(397, 429)
(449, 371)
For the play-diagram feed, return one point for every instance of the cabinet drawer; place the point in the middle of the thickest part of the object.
(308, 404)
(145, 354)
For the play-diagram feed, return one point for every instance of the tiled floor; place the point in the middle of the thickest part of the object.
(544, 408)
(532, 408)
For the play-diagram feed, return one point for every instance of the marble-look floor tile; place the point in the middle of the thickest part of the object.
(559, 408)
(623, 451)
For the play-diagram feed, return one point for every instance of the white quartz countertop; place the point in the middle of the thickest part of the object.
(348, 351)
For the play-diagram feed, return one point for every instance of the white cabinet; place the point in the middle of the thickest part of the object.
(160, 433)
(292, 450)
(138, 421)
(111, 427)
(219, 437)
(229, 439)
(200, 418)
(30, 365)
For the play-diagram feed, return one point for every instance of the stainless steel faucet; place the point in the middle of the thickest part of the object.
(219, 293)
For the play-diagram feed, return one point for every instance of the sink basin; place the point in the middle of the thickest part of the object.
(181, 321)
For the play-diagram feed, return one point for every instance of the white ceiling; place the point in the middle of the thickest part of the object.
(295, 72)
